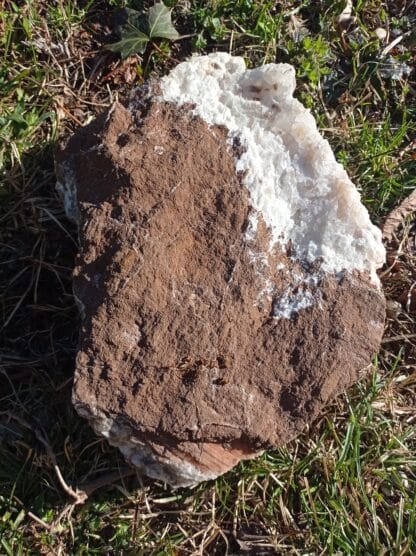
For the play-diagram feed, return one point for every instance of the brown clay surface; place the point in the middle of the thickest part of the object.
(179, 340)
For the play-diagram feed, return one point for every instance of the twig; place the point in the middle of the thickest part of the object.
(40, 521)
(393, 43)
(81, 493)
(398, 338)
(397, 215)
(79, 496)
(16, 307)
(107, 479)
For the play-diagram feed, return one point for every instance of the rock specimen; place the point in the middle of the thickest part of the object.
(227, 269)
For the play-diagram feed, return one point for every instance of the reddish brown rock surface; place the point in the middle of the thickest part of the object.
(182, 362)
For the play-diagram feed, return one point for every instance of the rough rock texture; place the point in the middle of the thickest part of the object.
(204, 340)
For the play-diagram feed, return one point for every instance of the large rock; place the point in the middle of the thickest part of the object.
(227, 269)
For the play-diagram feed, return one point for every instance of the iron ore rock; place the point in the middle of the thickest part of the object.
(226, 274)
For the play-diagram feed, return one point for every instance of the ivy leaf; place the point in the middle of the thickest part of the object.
(160, 22)
(132, 39)
(129, 44)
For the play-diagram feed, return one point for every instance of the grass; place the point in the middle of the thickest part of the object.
(346, 485)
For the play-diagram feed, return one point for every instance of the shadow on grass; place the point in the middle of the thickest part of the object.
(38, 341)
(39, 332)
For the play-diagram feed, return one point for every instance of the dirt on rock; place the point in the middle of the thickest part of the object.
(179, 344)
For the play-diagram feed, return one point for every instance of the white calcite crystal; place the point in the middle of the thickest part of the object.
(304, 195)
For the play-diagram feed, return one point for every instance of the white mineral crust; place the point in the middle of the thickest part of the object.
(294, 181)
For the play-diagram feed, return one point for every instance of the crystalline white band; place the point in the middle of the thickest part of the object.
(291, 173)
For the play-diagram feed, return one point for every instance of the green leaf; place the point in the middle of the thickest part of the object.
(160, 23)
(132, 41)
(132, 38)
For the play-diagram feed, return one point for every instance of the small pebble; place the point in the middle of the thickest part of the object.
(393, 308)
(380, 33)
